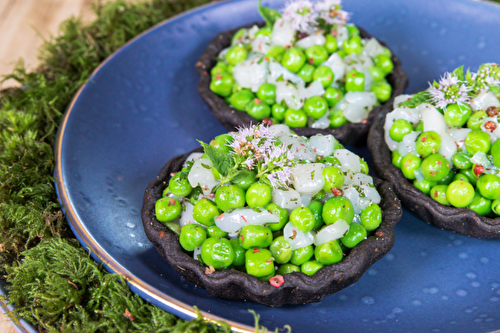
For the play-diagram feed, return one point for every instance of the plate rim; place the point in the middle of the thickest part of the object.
(145, 291)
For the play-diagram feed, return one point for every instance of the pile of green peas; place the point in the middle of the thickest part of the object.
(262, 250)
(461, 183)
(307, 64)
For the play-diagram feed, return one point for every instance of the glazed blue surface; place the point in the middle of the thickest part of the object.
(141, 108)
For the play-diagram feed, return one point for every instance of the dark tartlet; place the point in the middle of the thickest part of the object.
(230, 118)
(460, 220)
(298, 288)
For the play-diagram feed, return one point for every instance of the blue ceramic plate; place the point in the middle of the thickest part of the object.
(141, 108)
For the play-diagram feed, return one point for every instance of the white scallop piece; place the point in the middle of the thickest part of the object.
(348, 160)
(433, 120)
(337, 65)
(279, 130)
(314, 89)
(315, 39)
(308, 178)
(373, 47)
(288, 93)
(323, 145)
(353, 195)
(484, 100)
(276, 71)
(332, 232)
(371, 193)
(238, 218)
(448, 146)
(196, 252)
(459, 135)
(287, 199)
(251, 73)
(306, 199)
(408, 144)
(192, 157)
(201, 174)
(187, 216)
(261, 44)
(322, 123)
(297, 238)
(400, 99)
(283, 33)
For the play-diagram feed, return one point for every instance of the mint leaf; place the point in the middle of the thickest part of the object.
(417, 99)
(241, 174)
(221, 161)
(269, 15)
(459, 72)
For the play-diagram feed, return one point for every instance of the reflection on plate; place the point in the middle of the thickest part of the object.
(141, 108)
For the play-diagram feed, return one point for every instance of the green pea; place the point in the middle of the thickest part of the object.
(435, 167)
(480, 205)
(354, 236)
(447, 179)
(267, 93)
(316, 54)
(192, 236)
(247, 181)
(258, 195)
(383, 62)
(229, 197)
(302, 218)
(167, 209)
(396, 158)
(338, 208)
(320, 196)
(205, 211)
(331, 160)
(218, 69)
(287, 268)
(419, 127)
(276, 52)
(222, 84)
(255, 236)
(278, 112)
(293, 59)
(495, 153)
(409, 164)
(382, 90)
(457, 114)
(331, 44)
(264, 31)
(295, 118)
(424, 185)
(477, 140)
(461, 160)
(236, 54)
(301, 255)
(333, 177)
(352, 29)
(214, 231)
(353, 44)
(316, 209)
(258, 109)
(328, 253)
(259, 262)
(179, 184)
(438, 193)
(495, 206)
(341, 53)
(355, 81)
(399, 129)
(476, 120)
(337, 119)
(217, 252)
(371, 217)
(364, 166)
(239, 252)
(461, 177)
(315, 107)
(470, 176)
(310, 267)
(333, 96)
(324, 75)
(488, 186)
(460, 193)
(377, 73)
(306, 72)
(241, 99)
(221, 142)
(282, 215)
(174, 227)
(281, 250)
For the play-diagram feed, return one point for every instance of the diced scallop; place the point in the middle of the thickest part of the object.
(331, 232)
(408, 144)
(323, 145)
(253, 31)
(348, 160)
(261, 44)
(314, 39)
(400, 99)
(433, 120)
(373, 48)
(238, 218)
(222, 54)
(338, 67)
(201, 174)
(308, 178)
(314, 89)
(279, 130)
(359, 105)
(306, 199)
(300, 148)
(459, 135)
(370, 193)
(287, 199)
(288, 93)
(448, 146)
(322, 123)
(342, 35)
(297, 238)
(283, 33)
(358, 179)
(484, 100)
(196, 252)
(277, 71)
(481, 158)
(187, 215)
(353, 195)
(251, 73)
(192, 157)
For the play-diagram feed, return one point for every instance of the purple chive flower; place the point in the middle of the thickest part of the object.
(302, 15)
(449, 90)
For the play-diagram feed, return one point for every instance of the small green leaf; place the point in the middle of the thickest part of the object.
(459, 72)
(269, 15)
(419, 98)
(241, 174)
(221, 161)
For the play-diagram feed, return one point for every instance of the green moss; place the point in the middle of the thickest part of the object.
(53, 282)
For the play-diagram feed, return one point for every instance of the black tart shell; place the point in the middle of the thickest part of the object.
(459, 220)
(298, 288)
(230, 118)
